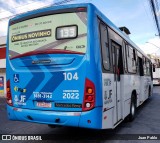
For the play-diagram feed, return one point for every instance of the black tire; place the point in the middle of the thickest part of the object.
(132, 108)
(52, 126)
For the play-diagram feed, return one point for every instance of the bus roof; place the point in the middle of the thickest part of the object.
(67, 6)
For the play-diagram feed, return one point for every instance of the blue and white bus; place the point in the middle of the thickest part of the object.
(71, 66)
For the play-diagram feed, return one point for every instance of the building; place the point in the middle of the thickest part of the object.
(2, 65)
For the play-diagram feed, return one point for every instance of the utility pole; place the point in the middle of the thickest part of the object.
(153, 8)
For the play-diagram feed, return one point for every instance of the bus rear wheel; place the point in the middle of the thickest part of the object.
(132, 109)
(52, 126)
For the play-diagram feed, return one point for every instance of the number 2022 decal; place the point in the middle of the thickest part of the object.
(70, 76)
(68, 95)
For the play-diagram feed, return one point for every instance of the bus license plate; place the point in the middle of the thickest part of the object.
(44, 104)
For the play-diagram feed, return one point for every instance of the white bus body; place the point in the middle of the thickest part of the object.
(156, 76)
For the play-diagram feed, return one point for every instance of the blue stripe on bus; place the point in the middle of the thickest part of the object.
(35, 80)
(53, 83)
(55, 80)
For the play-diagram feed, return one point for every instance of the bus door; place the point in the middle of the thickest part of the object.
(117, 64)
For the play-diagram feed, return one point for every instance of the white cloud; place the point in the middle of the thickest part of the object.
(5, 13)
(3, 29)
(152, 46)
(158, 13)
(28, 7)
(11, 7)
(10, 3)
(32, 4)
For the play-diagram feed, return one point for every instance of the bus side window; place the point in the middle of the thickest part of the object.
(154, 68)
(131, 59)
(125, 57)
(144, 66)
(158, 64)
(134, 61)
(138, 68)
(151, 73)
(147, 68)
(140, 64)
(105, 46)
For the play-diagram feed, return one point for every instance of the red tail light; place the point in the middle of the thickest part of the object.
(89, 96)
(9, 96)
(81, 9)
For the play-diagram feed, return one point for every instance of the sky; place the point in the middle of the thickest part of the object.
(134, 14)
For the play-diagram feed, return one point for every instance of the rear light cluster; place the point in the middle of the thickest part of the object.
(89, 96)
(9, 97)
(81, 9)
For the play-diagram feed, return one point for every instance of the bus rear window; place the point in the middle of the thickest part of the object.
(66, 31)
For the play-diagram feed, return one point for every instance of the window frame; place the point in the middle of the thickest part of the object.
(129, 47)
(100, 22)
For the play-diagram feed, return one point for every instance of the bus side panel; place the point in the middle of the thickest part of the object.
(108, 100)
(145, 82)
(132, 82)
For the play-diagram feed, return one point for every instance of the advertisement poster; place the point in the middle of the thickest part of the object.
(40, 33)
(1, 84)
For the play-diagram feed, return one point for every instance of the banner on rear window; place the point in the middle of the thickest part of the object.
(39, 34)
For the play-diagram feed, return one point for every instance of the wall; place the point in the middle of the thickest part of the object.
(3, 62)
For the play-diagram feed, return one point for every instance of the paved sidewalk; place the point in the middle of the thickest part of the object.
(2, 99)
(2, 95)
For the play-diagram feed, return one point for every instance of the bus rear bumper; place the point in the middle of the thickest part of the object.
(89, 119)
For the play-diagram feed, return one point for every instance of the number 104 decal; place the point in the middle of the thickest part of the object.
(70, 76)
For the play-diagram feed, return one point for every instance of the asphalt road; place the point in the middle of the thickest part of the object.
(147, 121)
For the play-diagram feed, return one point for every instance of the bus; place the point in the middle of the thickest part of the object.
(156, 76)
(71, 66)
(156, 69)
